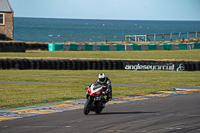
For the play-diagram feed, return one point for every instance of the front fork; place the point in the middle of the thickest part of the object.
(87, 95)
(100, 103)
(94, 104)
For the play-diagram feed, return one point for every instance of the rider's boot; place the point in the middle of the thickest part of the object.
(104, 102)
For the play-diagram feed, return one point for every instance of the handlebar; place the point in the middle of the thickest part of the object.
(97, 84)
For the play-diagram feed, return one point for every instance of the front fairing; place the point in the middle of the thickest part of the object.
(95, 90)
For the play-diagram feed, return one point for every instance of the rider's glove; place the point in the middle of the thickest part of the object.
(104, 92)
(86, 87)
(107, 90)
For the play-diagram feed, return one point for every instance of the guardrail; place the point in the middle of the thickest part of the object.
(122, 47)
(22, 47)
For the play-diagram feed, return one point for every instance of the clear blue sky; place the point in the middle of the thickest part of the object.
(109, 9)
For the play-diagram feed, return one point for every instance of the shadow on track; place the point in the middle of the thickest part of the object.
(113, 113)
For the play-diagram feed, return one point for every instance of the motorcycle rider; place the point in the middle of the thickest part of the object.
(105, 81)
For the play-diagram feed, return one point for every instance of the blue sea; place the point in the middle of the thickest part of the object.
(79, 30)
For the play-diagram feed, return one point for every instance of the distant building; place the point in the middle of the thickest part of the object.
(6, 20)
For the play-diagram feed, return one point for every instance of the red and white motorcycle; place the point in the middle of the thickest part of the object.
(95, 97)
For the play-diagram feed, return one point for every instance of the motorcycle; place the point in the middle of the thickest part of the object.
(95, 97)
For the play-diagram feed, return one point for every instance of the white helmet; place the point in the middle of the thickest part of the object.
(102, 77)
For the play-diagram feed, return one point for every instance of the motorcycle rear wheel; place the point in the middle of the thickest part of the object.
(86, 109)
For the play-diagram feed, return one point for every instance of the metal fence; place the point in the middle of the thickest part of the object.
(162, 37)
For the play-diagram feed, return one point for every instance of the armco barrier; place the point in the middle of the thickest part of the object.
(167, 47)
(159, 47)
(96, 47)
(151, 46)
(144, 47)
(197, 45)
(182, 46)
(113, 47)
(51, 47)
(98, 65)
(88, 47)
(81, 47)
(175, 46)
(73, 47)
(136, 47)
(22, 47)
(55, 47)
(104, 47)
(129, 47)
(66, 47)
(122, 47)
(190, 45)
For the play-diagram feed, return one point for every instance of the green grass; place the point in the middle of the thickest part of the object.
(131, 55)
(181, 78)
(14, 95)
(19, 95)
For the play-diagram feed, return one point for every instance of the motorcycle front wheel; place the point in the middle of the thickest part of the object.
(98, 111)
(86, 109)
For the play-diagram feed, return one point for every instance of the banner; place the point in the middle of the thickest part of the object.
(154, 66)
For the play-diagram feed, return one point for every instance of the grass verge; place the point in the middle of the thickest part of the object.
(115, 55)
(20, 95)
(181, 78)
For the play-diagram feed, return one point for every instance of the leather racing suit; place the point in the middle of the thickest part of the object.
(106, 87)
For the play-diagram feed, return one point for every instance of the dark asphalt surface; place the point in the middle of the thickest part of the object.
(170, 114)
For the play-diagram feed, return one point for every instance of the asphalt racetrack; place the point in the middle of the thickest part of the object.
(180, 113)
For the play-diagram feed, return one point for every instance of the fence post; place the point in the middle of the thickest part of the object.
(135, 38)
(154, 37)
(171, 37)
(187, 35)
(145, 38)
(179, 36)
(196, 34)
(163, 37)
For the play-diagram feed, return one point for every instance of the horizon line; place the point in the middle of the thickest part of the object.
(106, 19)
